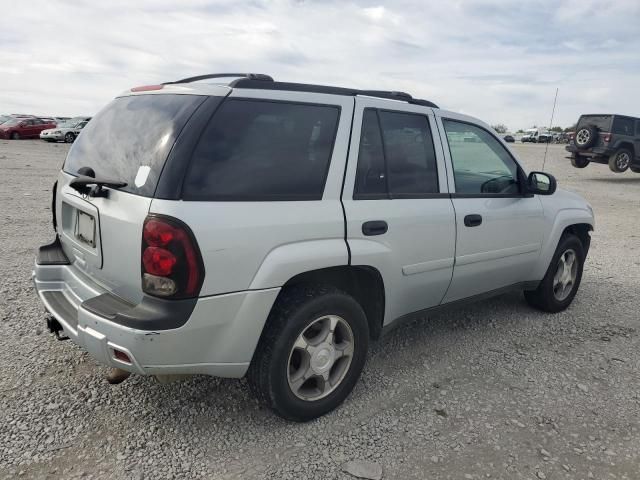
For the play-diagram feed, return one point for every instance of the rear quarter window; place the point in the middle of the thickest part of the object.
(257, 150)
(623, 126)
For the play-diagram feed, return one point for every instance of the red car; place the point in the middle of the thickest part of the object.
(17, 128)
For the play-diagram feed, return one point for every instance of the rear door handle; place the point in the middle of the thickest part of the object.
(374, 227)
(473, 220)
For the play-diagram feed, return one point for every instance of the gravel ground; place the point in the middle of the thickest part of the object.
(493, 390)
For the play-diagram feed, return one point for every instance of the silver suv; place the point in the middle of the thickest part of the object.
(271, 230)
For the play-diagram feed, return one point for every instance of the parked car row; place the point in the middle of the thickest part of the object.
(66, 131)
(52, 129)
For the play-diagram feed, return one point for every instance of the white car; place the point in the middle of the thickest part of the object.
(272, 230)
(66, 131)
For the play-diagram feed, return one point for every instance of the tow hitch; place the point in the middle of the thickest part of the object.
(54, 327)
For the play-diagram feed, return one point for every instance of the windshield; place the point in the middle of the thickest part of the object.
(130, 139)
(11, 122)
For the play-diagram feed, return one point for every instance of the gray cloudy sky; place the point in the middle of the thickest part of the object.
(498, 60)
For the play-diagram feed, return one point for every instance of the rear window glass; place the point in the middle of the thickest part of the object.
(129, 134)
(602, 122)
(623, 126)
(263, 150)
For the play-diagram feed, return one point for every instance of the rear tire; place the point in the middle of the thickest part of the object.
(296, 352)
(619, 162)
(579, 161)
(15, 136)
(562, 280)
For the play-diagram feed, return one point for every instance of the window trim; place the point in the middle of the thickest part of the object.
(388, 195)
(259, 198)
(520, 171)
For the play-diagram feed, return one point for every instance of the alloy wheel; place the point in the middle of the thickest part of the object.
(583, 136)
(320, 358)
(623, 160)
(566, 274)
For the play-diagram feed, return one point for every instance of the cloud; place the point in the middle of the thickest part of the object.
(498, 60)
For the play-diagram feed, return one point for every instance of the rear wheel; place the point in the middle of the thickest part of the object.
(619, 162)
(69, 137)
(579, 161)
(311, 353)
(15, 136)
(560, 284)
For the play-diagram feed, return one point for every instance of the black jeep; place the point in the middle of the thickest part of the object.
(605, 138)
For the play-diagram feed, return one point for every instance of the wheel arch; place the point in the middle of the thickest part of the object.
(628, 145)
(582, 231)
(364, 283)
(576, 221)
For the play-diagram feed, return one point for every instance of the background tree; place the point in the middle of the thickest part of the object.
(557, 129)
(500, 128)
(572, 128)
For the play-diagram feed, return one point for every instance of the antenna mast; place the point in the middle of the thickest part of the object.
(550, 125)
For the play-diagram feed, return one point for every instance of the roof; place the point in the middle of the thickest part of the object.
(259, 81)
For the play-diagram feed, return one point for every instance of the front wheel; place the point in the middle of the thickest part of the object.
(15, 136)
(69, 137)
(311, 353)
(619, 162)
(560, 284)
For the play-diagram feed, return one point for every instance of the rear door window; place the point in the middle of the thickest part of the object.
(130, 133)
(257, 150)
(397, 157)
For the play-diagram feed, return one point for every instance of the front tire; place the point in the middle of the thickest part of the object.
(562, 280)
(311, 352)
(619, 162)
(15, 136)
(69, 137)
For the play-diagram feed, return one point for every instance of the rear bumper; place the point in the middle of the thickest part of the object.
(591, 152)
(218, 338)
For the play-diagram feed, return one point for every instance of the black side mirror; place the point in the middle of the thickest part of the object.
(541, 183)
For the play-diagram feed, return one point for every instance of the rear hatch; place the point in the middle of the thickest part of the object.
(128, 141)
(601, 122)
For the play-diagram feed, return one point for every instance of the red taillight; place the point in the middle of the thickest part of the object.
(158, 234)
(147, 88)
(606, 137)
(171, 262)
(158, 261)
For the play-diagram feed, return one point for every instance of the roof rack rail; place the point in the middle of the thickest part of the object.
(250, 76)
(386, 94)
(305, 87)
(424, 103)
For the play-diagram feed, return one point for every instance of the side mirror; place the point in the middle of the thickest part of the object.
(541, 183)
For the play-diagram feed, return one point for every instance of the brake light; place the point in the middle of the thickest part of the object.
(606, 137)
(171, 263)
(147, 88)
(158, 261)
